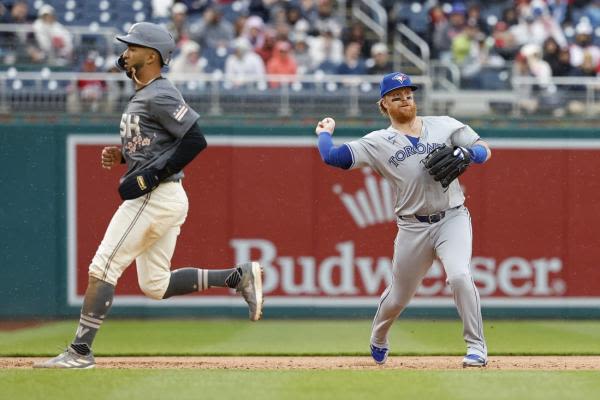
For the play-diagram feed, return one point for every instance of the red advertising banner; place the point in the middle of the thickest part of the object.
(325, 236)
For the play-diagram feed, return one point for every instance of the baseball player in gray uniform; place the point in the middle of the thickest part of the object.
(432, 220)
(160, 136)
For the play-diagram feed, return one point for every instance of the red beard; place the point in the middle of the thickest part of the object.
(404, 114)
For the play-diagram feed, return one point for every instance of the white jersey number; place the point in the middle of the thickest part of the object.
(130, 124)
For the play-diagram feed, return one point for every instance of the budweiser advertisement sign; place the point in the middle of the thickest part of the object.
(325, 236)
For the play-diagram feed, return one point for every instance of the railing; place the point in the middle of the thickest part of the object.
(372, 15)
(402, 51)
(319, 94)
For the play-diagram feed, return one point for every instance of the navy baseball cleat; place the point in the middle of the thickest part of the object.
(474, 360)
(379, 354)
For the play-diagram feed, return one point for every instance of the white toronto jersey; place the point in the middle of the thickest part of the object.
(394, 157)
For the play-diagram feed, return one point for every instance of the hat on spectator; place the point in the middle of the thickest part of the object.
(45, 9)
(458, 8)
(241, 43)
(584, 28)
(179, 8)
(189, 47)
(395, 80)
(379, 48)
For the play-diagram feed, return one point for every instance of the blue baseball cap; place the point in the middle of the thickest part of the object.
(395, 80)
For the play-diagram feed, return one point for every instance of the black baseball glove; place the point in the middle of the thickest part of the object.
(139, 184)
(445, 164)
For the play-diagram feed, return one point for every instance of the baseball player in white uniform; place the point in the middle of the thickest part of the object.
(160, 136)
(432, 220)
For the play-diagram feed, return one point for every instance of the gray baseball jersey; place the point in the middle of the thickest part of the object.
(155, 120)
(394, 157)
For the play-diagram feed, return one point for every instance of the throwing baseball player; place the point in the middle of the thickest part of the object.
(159, 136)
(420, 157)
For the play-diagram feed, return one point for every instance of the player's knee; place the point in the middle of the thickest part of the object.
(154, 289)
(460, 280)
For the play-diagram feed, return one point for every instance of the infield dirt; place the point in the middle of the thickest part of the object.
(329, 363)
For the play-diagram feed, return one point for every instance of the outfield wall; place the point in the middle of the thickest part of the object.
(324, 236)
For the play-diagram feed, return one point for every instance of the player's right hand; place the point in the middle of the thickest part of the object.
(325, 125)
(110, 156)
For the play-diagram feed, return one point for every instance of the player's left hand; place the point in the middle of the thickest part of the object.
(139, 184)
(446, 164)
(325, 125)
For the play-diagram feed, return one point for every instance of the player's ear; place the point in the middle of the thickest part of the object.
(153, 57)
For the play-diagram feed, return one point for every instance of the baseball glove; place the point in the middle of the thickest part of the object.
(139, 184)
(445, 164)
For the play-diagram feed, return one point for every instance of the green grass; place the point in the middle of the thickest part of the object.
(287, 385)
(320, 337)
(293, 337)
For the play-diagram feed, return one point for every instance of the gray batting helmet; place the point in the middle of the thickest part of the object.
(151, 35)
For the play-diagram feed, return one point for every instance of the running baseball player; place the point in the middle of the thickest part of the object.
(420, 157)
(159, 136)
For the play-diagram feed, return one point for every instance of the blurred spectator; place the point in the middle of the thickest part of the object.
(356, 33)
(53, 38)
(281, 63)
(551, 51)
(302, 54)
(563, 65)
(254, 31)
(584, 45)
(161, 8)
(380, 61)
(244, 65)
(293, 14)
(505, 44)
(212, 30)
(481, 56)
(510, 16)
(326, 18)
(437, 29)
(463, 42)
(592, 12)
(325, 48)
(587, 69)
(529, 63)
(261, 9)
(282, 31)
(238, 25)
(474, 18)
(536, 25)
(308, 9)
(19, 46)
(266, 50)
(448, 32)
(188, 61)
(178, 26)
(353, 63)
(91, 91)
(196, 7)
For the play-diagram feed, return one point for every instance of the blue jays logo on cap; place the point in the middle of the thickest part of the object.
(395, 80)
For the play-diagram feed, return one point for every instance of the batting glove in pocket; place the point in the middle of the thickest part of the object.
(139, 184)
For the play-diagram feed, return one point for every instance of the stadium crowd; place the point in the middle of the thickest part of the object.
(249, 39)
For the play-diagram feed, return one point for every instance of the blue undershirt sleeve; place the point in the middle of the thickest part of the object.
(340, 157)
